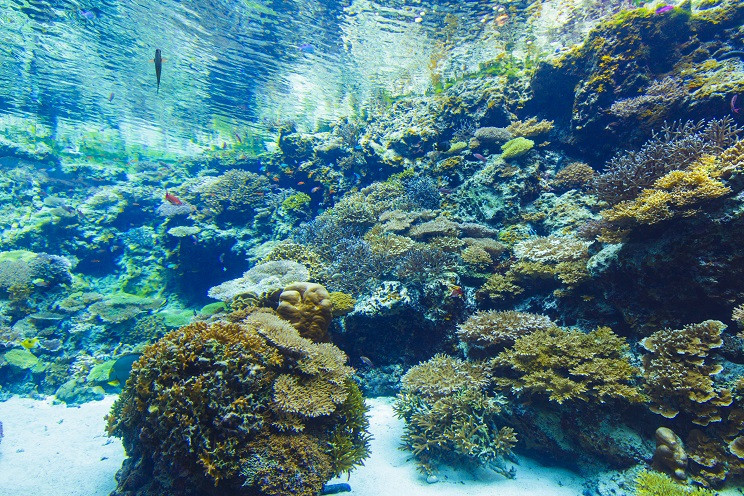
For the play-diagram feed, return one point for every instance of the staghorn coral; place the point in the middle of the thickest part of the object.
(679, 377)
(493, 331)
(387, 244)
(499, 286)
(206, 410)
(451, 418)
(421, 192)
(569, 365)
(263, 279)
(676, 193)
(308, 307)
(675, 147)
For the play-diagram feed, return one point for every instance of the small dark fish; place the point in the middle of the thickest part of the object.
(734, 108)
(306, 48)
(342, 487)
(123, 367)
(664, 9)
(111, 96)
(446, 191)
(366, 361)
(237, 136)
(172, 199)
(158, 66)
(480, 157)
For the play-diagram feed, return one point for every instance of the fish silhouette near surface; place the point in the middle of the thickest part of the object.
(158, 66)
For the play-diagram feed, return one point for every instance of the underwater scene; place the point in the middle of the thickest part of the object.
(371, 247)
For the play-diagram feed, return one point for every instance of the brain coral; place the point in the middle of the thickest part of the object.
(309, 308)
(243, 408)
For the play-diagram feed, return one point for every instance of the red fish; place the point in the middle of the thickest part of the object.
(734, 108)
(480, 157)
(172, 199)
(457, 292)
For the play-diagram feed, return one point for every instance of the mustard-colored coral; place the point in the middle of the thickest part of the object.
(678, 377)
(570, 365)
(238, 405)
(476, 257)
(492, 330)
(341, 303)
(530, 128)
(450, 416)
(499, 286)
(574, 175)
(676, 193)
(308, 307)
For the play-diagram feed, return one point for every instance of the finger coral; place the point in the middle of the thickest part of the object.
(569, 365)
(247, 407)
(679, 375)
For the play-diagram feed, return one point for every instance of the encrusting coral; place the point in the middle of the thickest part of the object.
(450, 416)
(569, 365)
(245, 408)
(679, 376)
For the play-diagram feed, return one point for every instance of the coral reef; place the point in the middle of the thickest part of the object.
(492, 331)
(250, 407)
(263, 279)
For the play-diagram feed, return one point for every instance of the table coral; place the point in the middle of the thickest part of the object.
(247, 407)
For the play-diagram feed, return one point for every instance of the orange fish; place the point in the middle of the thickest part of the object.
(501, 20)
(300, 183)
(173, 199)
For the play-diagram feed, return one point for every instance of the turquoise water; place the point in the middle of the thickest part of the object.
(286, 238)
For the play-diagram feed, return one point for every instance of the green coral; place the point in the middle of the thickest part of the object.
(569, 365)
(296, 202)
(516, 147)
(657, 484)
(21, 358)
(248, 406)
(451, 418)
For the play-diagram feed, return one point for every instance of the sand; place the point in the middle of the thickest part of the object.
(53, 450)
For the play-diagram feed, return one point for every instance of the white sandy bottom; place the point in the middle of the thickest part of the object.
(53, 450)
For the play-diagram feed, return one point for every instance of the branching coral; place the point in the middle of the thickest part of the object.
(451, 418)
(569, 365)
(492, 330)
(679, 376)
(530, 128)
(675, 147)
(249, 407)
(676, 193)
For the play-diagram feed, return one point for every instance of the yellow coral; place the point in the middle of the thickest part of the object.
(308, 307)
(342, 303)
